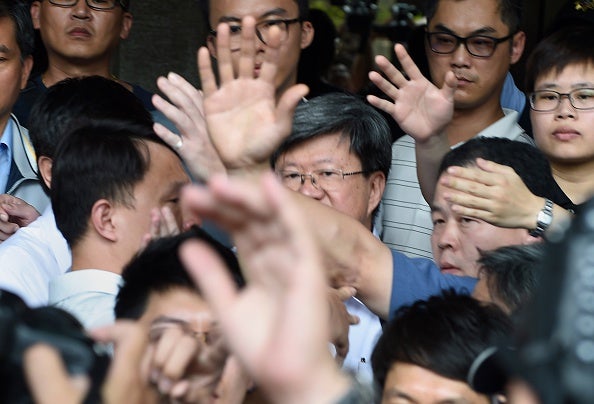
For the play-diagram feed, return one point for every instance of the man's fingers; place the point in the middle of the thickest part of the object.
(224, 63)
(248, 48)
(124, 382)
(48, 380)
(207, 76)
(345, 292)
(211, 275)
(408, 65)
(384, 85)
(380, 103)
(391, 72)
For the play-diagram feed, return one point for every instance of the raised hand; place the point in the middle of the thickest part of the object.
(277, 325)
(418, 106)
(245, 120)
(193, 143)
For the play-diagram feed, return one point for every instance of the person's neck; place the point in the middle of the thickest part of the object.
(576, 180)
(467, 123)
(60, 70)
(93, 256)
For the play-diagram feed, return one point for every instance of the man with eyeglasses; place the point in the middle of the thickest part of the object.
(80, 38)
(338, 153)
(470, 45)
(289, 16)
(560, 78)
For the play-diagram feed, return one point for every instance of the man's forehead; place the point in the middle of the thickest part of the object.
(487, 20)
(224, 9)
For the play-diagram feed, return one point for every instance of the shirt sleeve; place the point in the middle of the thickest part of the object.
(419, 278)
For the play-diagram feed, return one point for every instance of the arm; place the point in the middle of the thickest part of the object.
(284, 346)
(496, 194)
(420, 109)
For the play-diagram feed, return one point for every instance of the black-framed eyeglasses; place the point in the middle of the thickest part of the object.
(481, 46)
(262, 31)
(326, 179)
(549, 100)
(99, 5)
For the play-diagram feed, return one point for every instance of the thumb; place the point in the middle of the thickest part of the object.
(450, 85)
(48, 379)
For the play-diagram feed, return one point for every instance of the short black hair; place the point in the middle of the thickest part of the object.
(19, 14)
(158, 269)
(98, 160)
(568, 46)
(526, 160)
(366, 129)
(443, 334)
(73, 101)
(513, 273)
(510, 11)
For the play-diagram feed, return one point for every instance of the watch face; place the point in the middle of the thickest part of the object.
(544, 218)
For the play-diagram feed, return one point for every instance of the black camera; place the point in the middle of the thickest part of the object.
(22, 327)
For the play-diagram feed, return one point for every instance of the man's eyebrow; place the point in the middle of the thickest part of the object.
(395, 393)
(168, 320)
(175, 187)
(273, 12)
(4, 48)
(480, 31)
(435, 208)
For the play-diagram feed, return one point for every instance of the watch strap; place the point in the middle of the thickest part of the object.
(543, 219)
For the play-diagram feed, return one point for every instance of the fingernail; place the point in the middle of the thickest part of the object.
(180, 389)
(4, 217)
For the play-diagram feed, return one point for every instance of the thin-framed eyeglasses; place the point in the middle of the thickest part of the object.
(262, 31)
(549, 100)
(99, 5)
(161, 324)
(325, 179)
(480, 46)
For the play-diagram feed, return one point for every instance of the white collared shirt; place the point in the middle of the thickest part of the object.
(33, 256)
(87, 294)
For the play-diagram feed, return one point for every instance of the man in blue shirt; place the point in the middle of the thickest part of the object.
(17, 158)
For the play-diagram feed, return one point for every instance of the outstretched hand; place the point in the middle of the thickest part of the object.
(186, 112)
(245, 120)
(418, 106)
(277, 325)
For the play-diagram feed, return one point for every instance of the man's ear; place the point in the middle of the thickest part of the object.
(44, 165)
(27, 66)
(212, 45)
(35, 13)
(377, 183)
(307, 34)
(517, 48)
(102, 219)
(127, 20)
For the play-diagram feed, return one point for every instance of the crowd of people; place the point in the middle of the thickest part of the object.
(249, 242)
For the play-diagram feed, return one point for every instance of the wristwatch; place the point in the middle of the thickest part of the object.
(543, 219)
